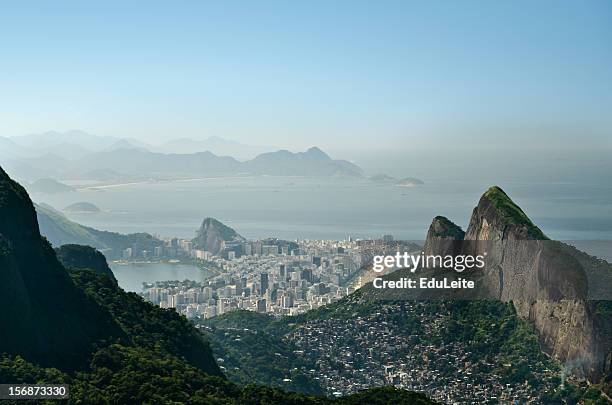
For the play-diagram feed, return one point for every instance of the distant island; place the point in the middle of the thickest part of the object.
(82, 207)
(410, 182)
(382, 177)
(49, 186)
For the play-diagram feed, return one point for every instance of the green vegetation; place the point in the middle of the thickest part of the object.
(78, 327)
(576, 394)
(117, 242)
(385, 396)
(128, 375)
(158, 359)
(257, 357)
(603, 308)
(62, 231)
(145, 325)
(491, 328)
(253, 350)
(511, 213)
(46, 318)
(490, 331)
(120, 375)
(449, 228)
(77, 256)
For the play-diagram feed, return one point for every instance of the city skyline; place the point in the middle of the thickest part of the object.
(394, 202)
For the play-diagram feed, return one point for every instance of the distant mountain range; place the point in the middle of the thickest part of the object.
(313, 162)
(71, 144)
(215, 144)
(79, 155)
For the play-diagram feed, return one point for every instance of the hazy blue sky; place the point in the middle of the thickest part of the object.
(333, 73)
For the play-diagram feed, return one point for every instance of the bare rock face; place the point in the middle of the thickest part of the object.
(442, 237)
(497, 217)
(213, 236)
(542, 278)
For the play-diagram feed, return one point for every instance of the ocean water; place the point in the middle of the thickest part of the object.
(332, 208)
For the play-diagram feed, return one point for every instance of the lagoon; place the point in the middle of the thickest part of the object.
(131, 275)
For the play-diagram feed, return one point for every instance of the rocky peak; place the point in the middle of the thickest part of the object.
(213, 234)
(442, 227)
(545, 282)
(18, 218)
(497, 217)
(442, 237)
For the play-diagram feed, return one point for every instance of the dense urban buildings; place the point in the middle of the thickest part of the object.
(268, 276)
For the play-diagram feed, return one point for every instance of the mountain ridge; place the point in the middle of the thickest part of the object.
(30, 270)
(60, 230)
(313, 162)
(59, 317)
(70, 154)
(543, 279)
(84, 257)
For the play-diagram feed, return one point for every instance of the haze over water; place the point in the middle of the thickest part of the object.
(333, 208)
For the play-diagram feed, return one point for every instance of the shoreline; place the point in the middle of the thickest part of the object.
(186, 180)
